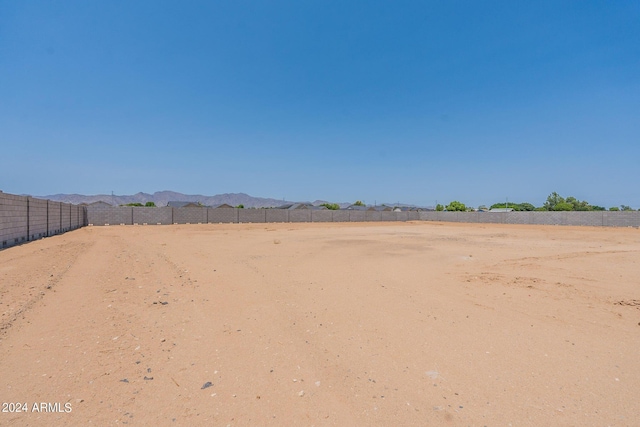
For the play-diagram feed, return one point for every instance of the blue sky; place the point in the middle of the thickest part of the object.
(410, 101)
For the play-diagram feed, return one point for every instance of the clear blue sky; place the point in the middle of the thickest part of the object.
(411, 101)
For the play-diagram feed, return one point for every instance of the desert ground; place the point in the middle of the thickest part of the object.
(370, 324)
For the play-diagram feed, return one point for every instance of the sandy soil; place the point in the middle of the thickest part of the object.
(323, 324)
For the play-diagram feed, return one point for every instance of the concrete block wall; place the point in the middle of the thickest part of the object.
(222, 215)
(55, 224)
(193, 215)
(13, 220)
(66, 217)
(140, 215)
(322, 216)
(360, 216)
(38, 222)
(621, 219)
(75, 215)
(24, 218)
(428, 216)
(518, 218)
(153, 216)
(251, 215)
(341, 216)
(277, 215)
(300, 215)
(115, 215)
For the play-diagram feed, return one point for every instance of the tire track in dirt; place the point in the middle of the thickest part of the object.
(25, 284)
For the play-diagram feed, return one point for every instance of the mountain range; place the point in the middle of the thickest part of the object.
(161, 198)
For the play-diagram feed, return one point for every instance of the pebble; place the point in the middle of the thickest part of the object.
(301, 393)
(206, 385)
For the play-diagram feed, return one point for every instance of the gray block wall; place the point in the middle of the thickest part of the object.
(277, 215)
(360, 216)
(300, 215)
(251, 215)
(341, 216)
(129, 215)
(75, 217)
(37, 218)
(152, 216)
(516, 218)
(621, 219)
(322, 216)
(24, 218)
(428, 216)
(13, 219)
(194, 215)
(66, 217)
(115, 215)
(222, 215)
(55, 224)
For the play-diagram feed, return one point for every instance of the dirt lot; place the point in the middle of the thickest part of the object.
(323, 324)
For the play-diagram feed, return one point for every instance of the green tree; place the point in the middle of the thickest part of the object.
(240, 206)
(150, 205)
(625, 208)
(456, 206)
(331, 206)
(439, 207)
(133, 204)
(579, 205)
(503, 205)
(614, 209)
(553, 200)
(564, 206)
(515, 206)
(359, 203)
(598, 208)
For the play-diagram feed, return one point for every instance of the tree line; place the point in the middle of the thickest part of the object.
(554, 202)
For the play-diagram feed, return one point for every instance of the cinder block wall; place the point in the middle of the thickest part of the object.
(24, 218)
(13, 220)
(55, 220)
(38, 222)
(193, 215)
(223, 215)
(139, 215)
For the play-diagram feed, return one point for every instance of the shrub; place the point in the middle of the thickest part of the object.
(456, 206)
(332, 206)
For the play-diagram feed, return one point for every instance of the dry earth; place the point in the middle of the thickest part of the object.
(420, 324)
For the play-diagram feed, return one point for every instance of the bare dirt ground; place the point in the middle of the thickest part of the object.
(420, 324)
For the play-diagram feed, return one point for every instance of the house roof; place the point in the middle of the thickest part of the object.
(358, 208)
(222, 205)
(183, 205)
(292, 206)
(501, 210)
